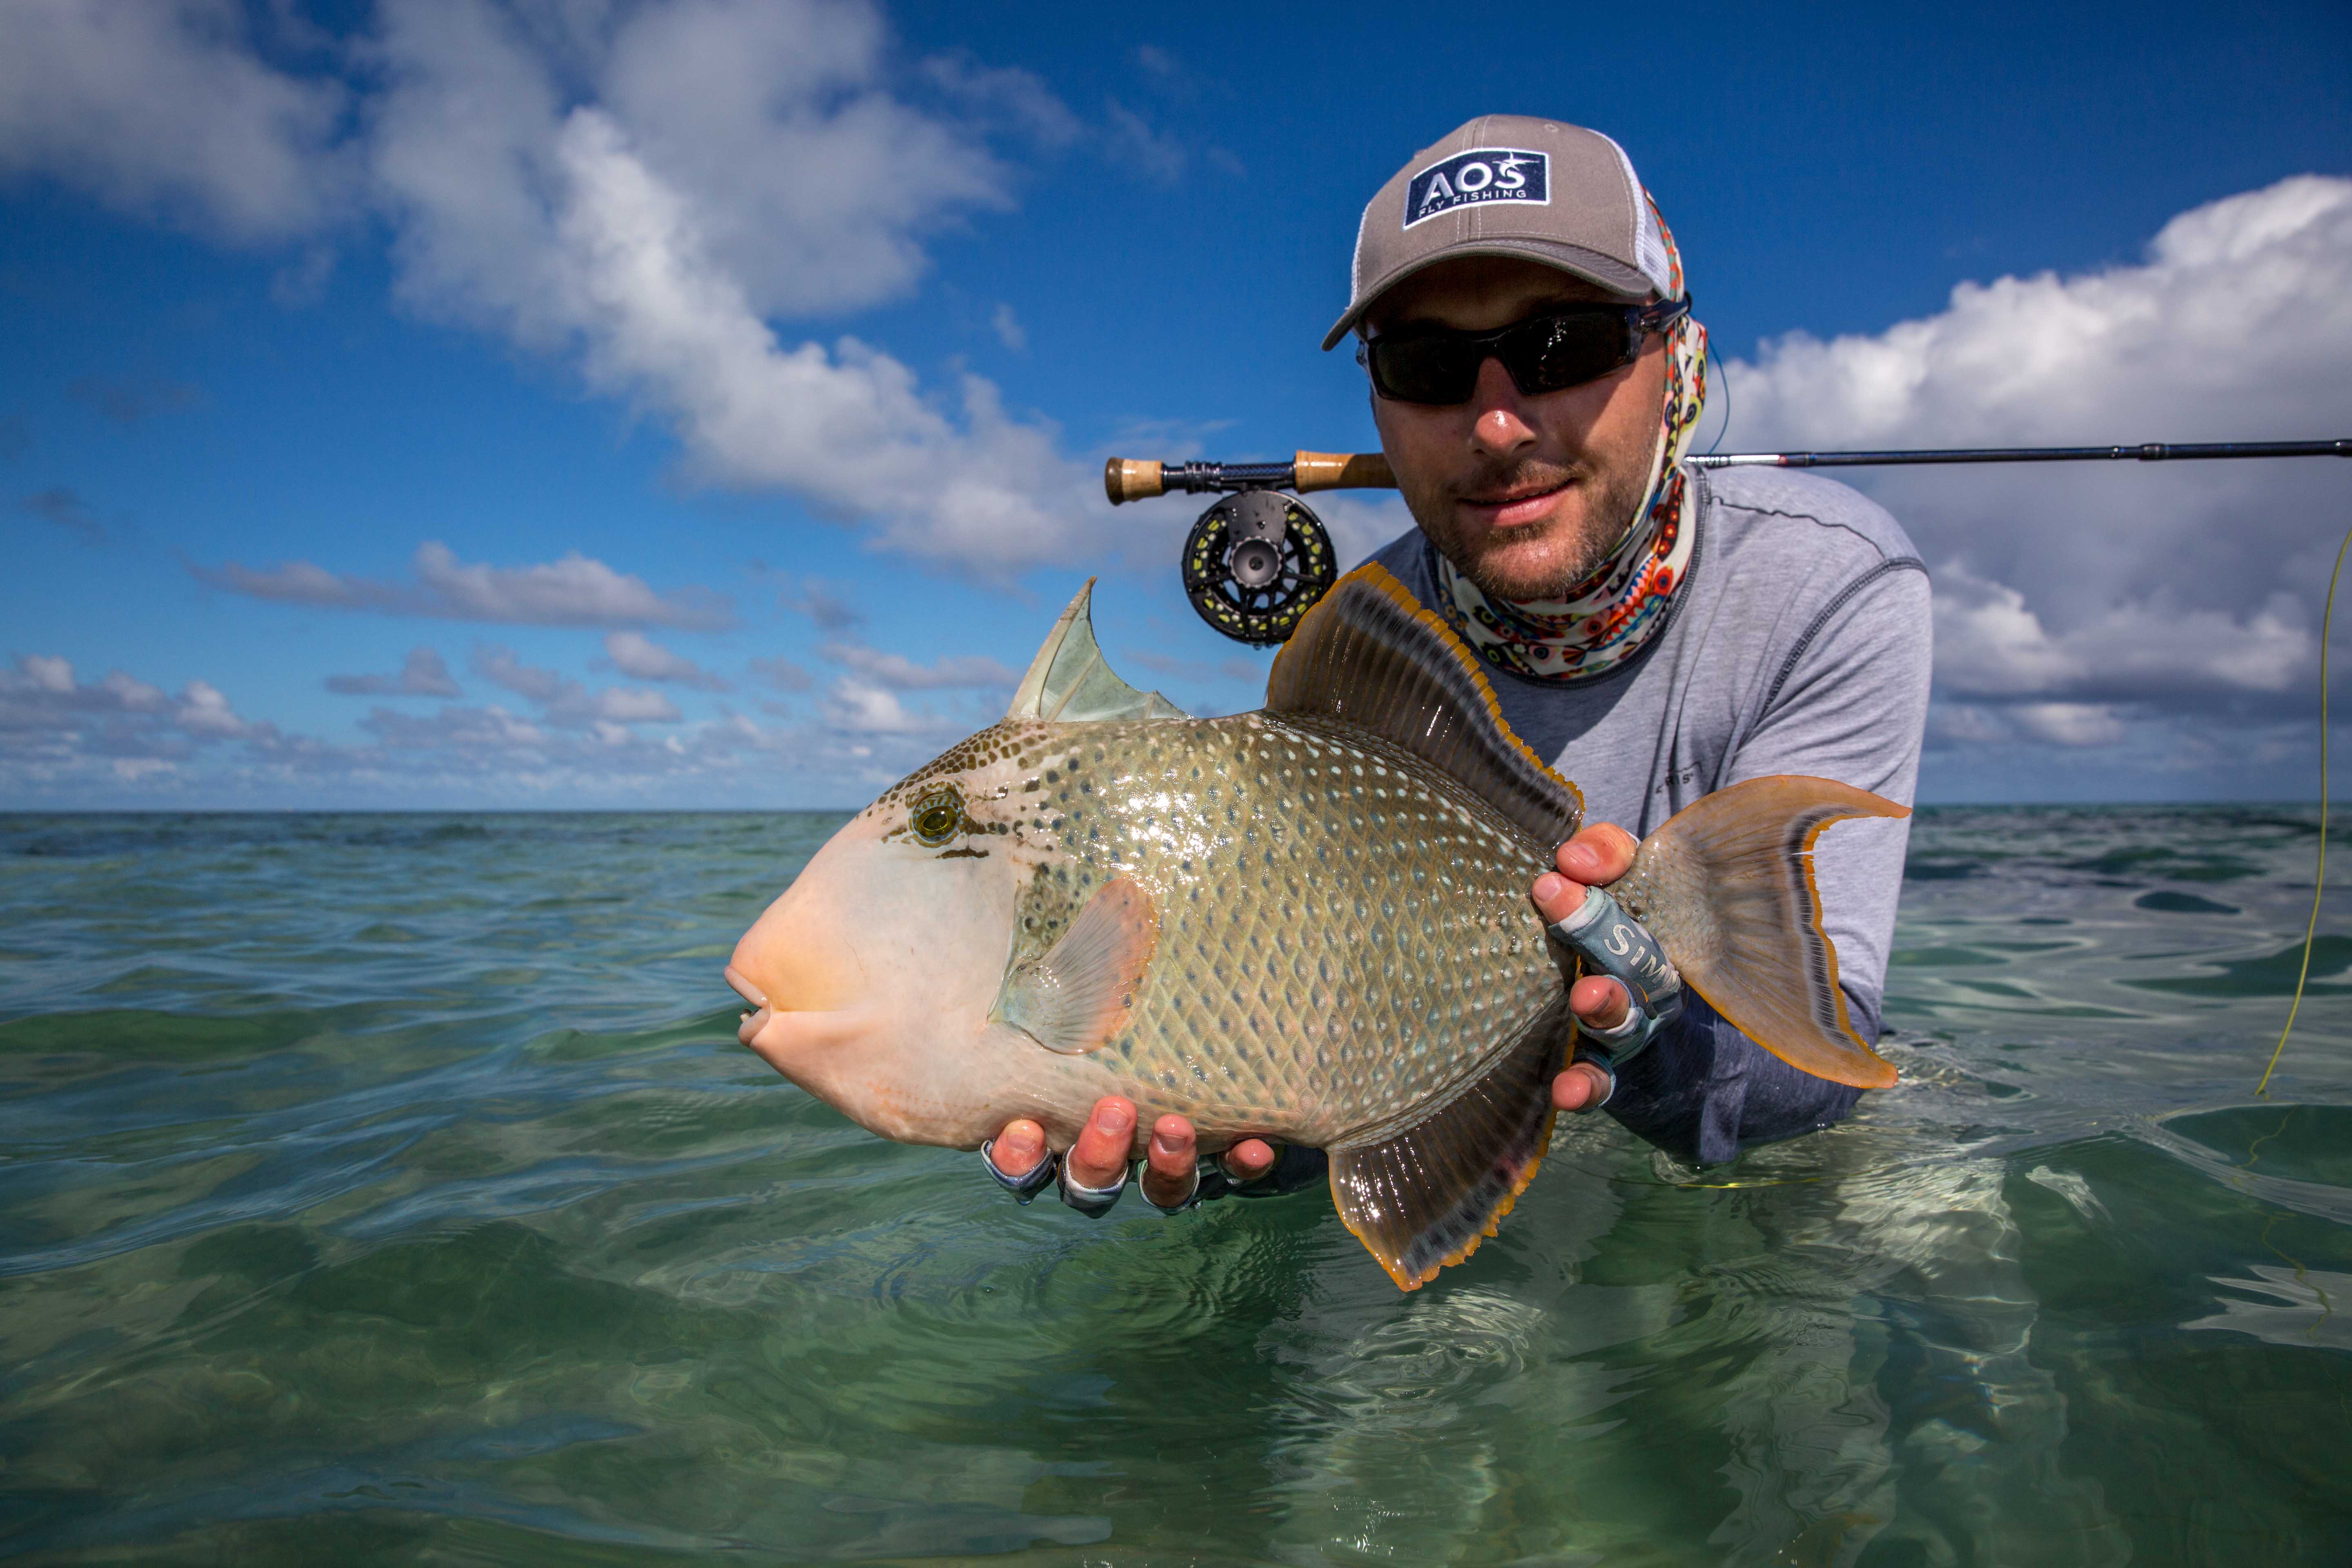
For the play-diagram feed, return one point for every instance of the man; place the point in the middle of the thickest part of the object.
(1658, 631)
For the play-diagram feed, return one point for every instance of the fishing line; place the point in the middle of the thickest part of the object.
(2319, 877)
(1719, 369)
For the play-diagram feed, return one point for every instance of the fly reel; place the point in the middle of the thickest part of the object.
(1257, 561)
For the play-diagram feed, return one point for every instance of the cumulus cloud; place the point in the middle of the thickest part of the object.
(576, 590)
(123, 741)
(422, 674)
(858, 707)
(782, 674)
(566, 704)
(821, 604)
(733, 162)
(2069, 599)
(162, 108)
(1008, 329)
(640, 657)
(641, 192)
(51, 719)
(896, 672)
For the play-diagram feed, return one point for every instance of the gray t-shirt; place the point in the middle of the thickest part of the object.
(1798, 643)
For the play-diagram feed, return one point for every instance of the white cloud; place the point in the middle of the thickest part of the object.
(1360, 522)
(640, 657)
(576, 590)
(736, 161)
(161, 108)
(640, 192)
(1008, 329)
(2063, 591)
(782, 674)
(858, 707)
(567, 704)
(899, 673)
(497, 663)
(422, 674)
(1151, 153)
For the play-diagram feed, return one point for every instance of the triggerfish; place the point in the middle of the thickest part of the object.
(1310, 922)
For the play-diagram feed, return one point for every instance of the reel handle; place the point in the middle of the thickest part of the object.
(1135, 478)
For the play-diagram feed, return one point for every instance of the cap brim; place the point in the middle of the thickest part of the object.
(1600, 271)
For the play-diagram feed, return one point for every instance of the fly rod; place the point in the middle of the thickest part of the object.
(1256, 560)
(1130, 478)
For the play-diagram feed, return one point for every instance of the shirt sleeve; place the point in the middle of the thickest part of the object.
(1849, 702)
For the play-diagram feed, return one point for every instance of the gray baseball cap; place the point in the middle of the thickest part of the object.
(1508, 185)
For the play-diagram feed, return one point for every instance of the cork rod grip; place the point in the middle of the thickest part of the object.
(1131, 478)
(1344, 471)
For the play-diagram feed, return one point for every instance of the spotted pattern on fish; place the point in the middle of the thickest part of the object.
(1345, 932)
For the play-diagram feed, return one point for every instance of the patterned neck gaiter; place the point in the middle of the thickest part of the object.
(1610, 617)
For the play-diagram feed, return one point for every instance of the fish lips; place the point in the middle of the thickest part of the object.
(753, 1022)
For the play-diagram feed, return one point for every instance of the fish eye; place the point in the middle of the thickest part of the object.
(938, 817)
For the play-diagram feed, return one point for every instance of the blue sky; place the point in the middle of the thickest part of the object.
(714, 392)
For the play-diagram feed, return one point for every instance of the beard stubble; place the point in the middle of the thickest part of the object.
(1574, 546)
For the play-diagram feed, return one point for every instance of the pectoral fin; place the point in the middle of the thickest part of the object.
(1079, 992)
(1424, 1198)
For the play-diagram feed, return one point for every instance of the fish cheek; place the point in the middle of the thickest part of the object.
(1043, 910)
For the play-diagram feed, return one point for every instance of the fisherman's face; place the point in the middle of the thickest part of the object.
(1524, 495)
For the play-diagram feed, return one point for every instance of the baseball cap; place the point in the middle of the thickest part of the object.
(1510, 184)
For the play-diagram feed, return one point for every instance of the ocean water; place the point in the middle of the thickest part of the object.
(391, 1189)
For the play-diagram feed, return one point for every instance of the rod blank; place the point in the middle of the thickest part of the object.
(1131, 478)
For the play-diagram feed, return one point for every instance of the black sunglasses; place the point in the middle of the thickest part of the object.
(1549, 352)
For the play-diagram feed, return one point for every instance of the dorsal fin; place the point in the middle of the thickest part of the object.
(1069, 682)
(1372, 657)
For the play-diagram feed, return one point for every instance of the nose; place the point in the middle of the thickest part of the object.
(1500, 427)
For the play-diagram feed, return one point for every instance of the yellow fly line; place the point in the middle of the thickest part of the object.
(2318, 876)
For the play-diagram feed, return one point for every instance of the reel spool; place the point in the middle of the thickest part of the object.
(1255, 563)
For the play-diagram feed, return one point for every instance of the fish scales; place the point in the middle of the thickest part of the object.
(1312, 922)
(1345, 931)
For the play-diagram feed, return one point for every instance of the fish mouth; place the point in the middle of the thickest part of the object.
(750, 1024)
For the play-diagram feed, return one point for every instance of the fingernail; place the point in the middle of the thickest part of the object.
(1581, 860)
(1113, 1119)
(1549, 885)
(1162, 1143)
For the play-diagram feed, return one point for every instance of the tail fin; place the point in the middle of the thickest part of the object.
(1726, 886)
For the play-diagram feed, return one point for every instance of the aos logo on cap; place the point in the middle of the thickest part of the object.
(1480, 175)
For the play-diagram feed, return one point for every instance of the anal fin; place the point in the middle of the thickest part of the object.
(1424, 1198)
(1078, 993)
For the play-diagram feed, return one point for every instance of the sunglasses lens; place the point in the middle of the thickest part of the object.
(1565, 351)
(1549, 353)
(1440, 368)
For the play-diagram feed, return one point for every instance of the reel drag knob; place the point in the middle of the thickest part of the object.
(1255, 563)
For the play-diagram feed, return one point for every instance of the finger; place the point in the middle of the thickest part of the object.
(1017, 1149)
(1600, 1000)
(1100, 1156)
(1580, 1087)
(1557, 897)
(1598, 855)
(1249, 1159)
(1170, 1162)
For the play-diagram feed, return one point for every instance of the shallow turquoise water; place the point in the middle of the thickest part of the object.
(392, 1189)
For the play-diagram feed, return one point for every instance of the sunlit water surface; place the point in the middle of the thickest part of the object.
(392, 1189)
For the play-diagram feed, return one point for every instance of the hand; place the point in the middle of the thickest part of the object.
(1100, 1156)
(1596, 857)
